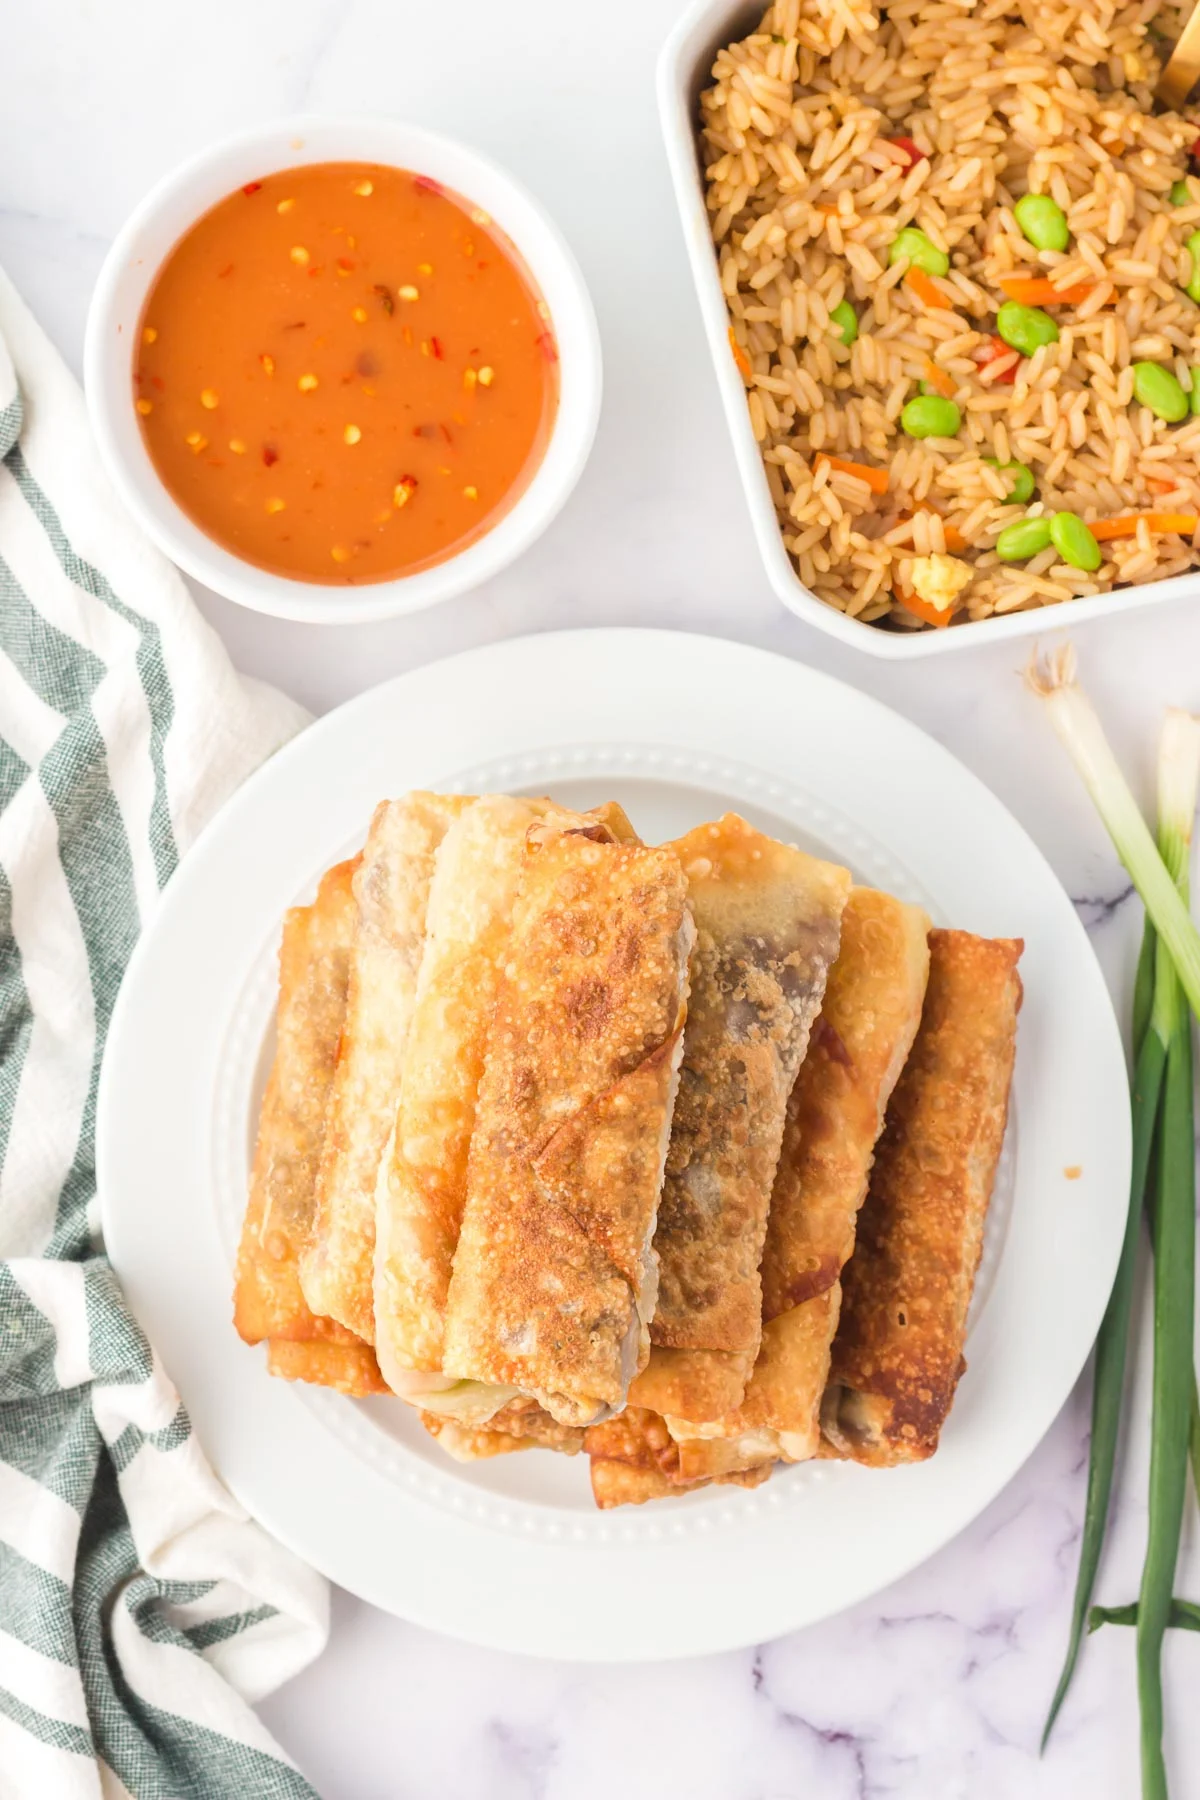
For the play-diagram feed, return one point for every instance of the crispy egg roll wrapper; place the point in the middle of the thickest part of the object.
(392, 890)
(423, 1175)
(522, 1425)
(553, 1275)
(858, 1048)
(897, 1356)
(633, 1458)
(696, 1384)
(526, 1419)
(349, 1367)
(314, 963)
(616, 820)
(466, 1444)
(768, 920)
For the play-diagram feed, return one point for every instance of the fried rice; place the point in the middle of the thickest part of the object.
(807, 190)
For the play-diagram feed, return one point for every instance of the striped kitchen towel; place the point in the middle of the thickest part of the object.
(141, 1610)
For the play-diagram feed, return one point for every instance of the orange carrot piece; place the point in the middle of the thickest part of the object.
(940, 379)
(1158, 485)
(926, 289)
(876, 479)
(1105, 529)
(1033, 290)
(740, 357)
(921, 609)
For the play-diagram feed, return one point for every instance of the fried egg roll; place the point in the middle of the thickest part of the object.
(553, 1281)
(392, 891)
(522, 1425)
(768, 920)
(467, 1444)
(314, 963)
(859, 1045)
(897, 1356)
(423, 1175)
(633, 1458)
(350, 1368)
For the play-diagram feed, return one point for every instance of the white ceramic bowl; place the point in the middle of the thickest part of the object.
(684, 69)
(157, 225)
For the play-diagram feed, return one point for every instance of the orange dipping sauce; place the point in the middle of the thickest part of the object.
(345, 374)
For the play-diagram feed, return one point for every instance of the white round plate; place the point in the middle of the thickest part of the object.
(511, 1552)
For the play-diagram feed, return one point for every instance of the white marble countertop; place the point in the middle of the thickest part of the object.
(937, 1688)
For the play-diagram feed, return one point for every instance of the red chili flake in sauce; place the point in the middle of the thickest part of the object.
(445, 431)
(425, 431)
(384, 296)
(366, 363)
(436, 345)
(912, 150)
(158, 382)
(547, 346)
(346, 262)
(317, 269)
(427, 185)
(296, 325)
(270, 455)
(227, 270)
(252, 187)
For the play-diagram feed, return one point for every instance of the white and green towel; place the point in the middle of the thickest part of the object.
(141, 1611)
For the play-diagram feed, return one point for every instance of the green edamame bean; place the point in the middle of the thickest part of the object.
(1194, 397)
(1158, 389)
(1017, 543)
(844, 320)
(921, 251)
(1074, 542)
(1192, 290)
(1042, 221)
(1021, 478)
(1181, 193)
(930, 416)
(1025, 328)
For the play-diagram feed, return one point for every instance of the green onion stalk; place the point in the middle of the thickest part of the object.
(1174, 1233)
(1161, 1101)
(1072, 715)
(1185, 1615)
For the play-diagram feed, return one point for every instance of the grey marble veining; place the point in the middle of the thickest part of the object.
(935, 1689)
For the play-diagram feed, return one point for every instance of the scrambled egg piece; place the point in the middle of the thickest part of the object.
(939, 580)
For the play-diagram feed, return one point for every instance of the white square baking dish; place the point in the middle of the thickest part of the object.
(684, 68)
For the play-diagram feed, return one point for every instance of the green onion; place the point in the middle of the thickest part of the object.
(1143, 988)
(1072, 715)
(1174, 1262)
(1185, 1615)
(1153, 1033)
